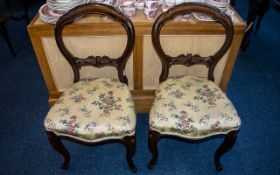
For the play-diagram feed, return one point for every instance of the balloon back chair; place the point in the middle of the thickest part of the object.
(191, 108)
(97, 110)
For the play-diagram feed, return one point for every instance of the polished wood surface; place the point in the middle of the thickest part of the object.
(142, 67)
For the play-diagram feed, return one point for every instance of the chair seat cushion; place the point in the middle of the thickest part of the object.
(192, 108)
(93, 110)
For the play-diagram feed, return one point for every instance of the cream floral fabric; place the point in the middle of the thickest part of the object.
(192, 108)
(93, 110)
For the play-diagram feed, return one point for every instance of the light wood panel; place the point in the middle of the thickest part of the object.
(205, 45)
(82, 47)
(229, 65)
(92, 34)
(138, 63)
(96, 25)
(143, 100)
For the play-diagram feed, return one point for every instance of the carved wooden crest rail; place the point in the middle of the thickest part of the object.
(96, 61)
(189, 59)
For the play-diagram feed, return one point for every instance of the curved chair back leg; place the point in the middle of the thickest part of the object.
(228, 143)
(59, 147)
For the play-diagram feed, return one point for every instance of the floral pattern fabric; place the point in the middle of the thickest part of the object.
(192, 108)
(93, 110)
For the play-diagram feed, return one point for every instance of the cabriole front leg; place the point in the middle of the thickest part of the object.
(59, 147)
(227, 144)
(153, 140)
(130, 144)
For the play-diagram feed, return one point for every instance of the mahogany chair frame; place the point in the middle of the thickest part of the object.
(189, 60)
(97, 61)
(5, 16)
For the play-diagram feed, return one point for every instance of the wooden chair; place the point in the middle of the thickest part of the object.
(98, 110)
(7, 14)
(233, 3)
(277, 2)
(191, 108)
(256, 12)
(4, 16)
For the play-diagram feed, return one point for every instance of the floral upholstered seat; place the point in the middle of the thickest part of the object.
(93, 110)
(192, 108)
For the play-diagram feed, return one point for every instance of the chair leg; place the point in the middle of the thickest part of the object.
(5, 35)
(228, 143)
(130, 145)
(259, 21)
(232, 3)
(153, 140)
(26, 14)
(8, 3)
(246, 40)
(59, 147)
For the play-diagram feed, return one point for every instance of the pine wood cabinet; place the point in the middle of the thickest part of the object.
(96, 35)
